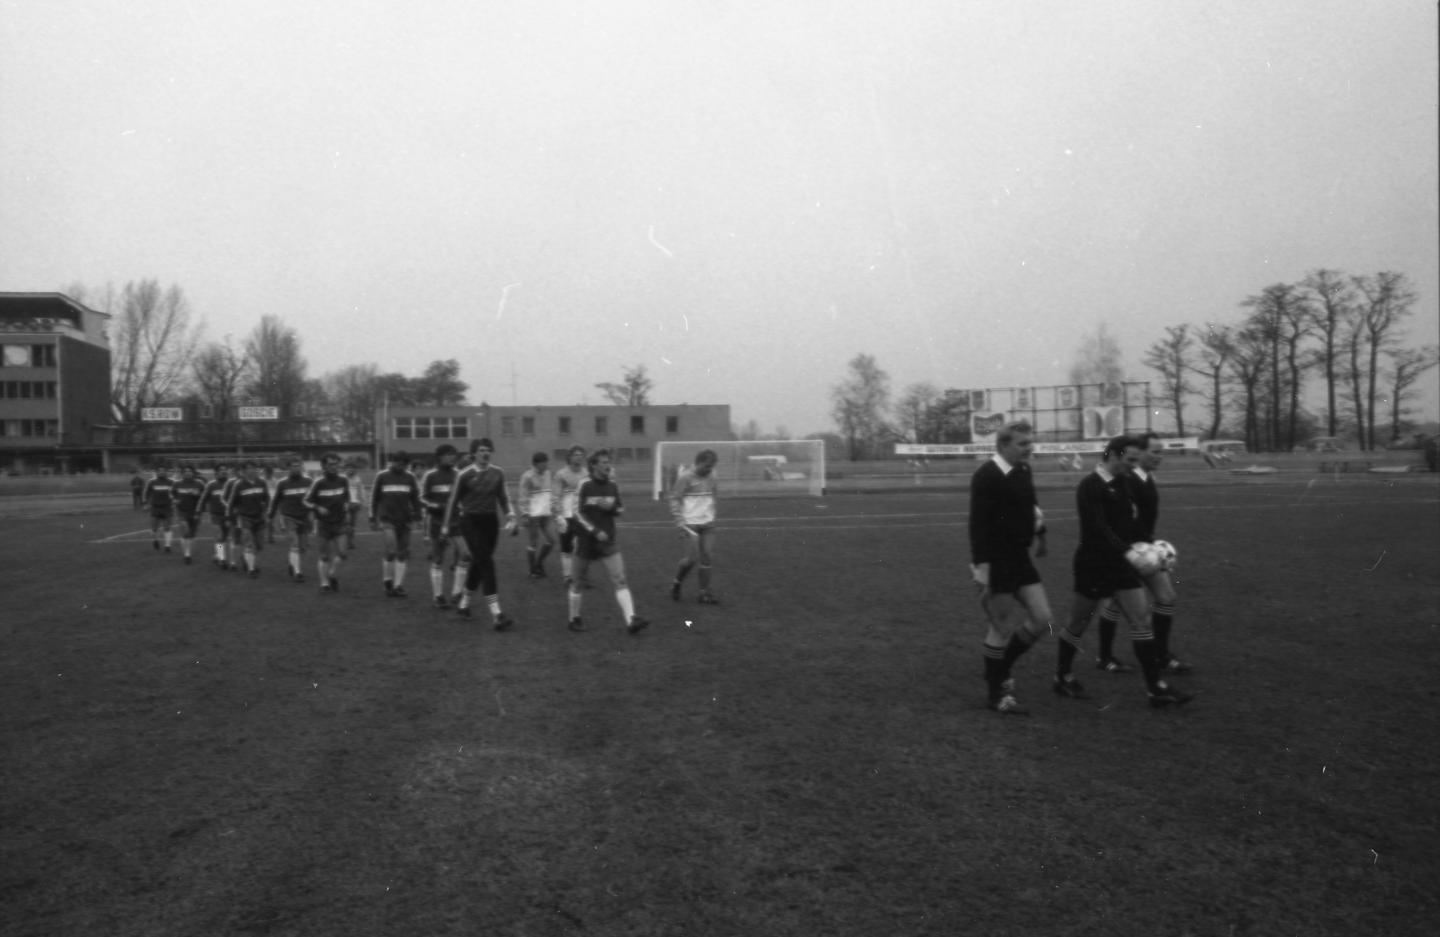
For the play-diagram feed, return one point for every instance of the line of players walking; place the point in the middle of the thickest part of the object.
(461, 510)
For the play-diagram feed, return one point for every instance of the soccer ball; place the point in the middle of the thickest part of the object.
(1145, 558)
(1168, 555)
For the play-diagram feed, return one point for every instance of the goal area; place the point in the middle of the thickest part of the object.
(751, 467)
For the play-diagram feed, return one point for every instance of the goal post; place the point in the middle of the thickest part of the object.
(750, 467)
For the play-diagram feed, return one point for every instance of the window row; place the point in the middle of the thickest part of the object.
(27, 356)
(565, 426)
(432, 427)
(27, 390)
(32, 429)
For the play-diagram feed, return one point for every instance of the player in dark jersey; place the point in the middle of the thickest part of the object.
(1159, 584)
(478, 499)
(212, 500)
(329, 499)
(288, 501)
(248, 505)
(1106, 566)
(446, 544)
(394, 506)
(187, 492)
(1005, 521)
(598, 504)
(160, 496)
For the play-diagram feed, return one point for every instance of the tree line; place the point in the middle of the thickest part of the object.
(159, 357)
(1252, 377)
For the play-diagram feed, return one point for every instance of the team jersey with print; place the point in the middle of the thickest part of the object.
(692, 500)
(289, 498)
(567, 487)
(479, 491)
(160, 493)
(395, 499)
(213, 498)
(249, 499)
(435, 488)
(598, 503)
(187, 493)
(328, 497)
(537, 493)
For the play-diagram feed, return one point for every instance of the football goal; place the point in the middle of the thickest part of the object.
(751, 467)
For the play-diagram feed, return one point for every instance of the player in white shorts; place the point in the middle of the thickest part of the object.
(537, 512)
(692, 504)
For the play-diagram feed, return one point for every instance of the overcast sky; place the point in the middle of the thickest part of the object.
(740, 195)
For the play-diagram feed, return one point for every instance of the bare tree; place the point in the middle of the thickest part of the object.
(1249, 359)
(1406, 367)
(1216, 347)
(1387, 302)
(354, 395)
(279, 377)
(858, 404)
(1282, 317)
(151, 345)
(220, 370)
(916, 417)
(1098, 360)
(1333, 306)
(1170, 357)
(633, 390)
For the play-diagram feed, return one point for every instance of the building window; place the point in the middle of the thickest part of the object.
(637, 425)
(507, 426)
(642, 455)
(404, 427)
(33, 429)
(672, 425)
(564, 426)
(27, 356)
(432, 427)
(527, 425)
(602, 426)
(624, 455)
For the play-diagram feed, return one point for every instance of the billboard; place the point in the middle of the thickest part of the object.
(161, 414)
(259, 413)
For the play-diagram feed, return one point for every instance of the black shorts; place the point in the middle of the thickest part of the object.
(588, 548)
(1099, 577)
(1009, 574)
(329, 529)
(190, 520)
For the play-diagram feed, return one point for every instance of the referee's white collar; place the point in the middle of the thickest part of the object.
(1141, 474)
(1104, 473)
(999, 460)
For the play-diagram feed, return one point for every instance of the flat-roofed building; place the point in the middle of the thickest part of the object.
(630, 433)
(54, 383)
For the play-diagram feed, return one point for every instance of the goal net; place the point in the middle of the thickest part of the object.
(752, 467)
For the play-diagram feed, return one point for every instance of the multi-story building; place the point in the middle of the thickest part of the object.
(54, 384)
(630, 433)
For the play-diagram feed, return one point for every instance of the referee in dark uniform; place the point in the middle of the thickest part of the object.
(1105, 568)
(1005, 520)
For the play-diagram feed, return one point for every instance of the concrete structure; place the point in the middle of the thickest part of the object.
(630, 433)
(54, 384)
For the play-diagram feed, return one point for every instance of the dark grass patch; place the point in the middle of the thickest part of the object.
(190, 752)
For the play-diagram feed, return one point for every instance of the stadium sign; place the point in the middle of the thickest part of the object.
(161, 414)
(259, 413)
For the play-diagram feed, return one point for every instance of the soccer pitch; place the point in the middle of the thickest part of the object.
(188, 751)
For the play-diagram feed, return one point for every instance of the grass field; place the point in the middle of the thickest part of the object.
(188, 752)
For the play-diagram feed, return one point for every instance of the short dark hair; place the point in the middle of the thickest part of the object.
(445, 449)
(400, 455)
(1010, 430)
(596, 456)
(574, 449)
(539, 457)
(1144, 439)
(706, 455)
(1118, 444)
(482, 441)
